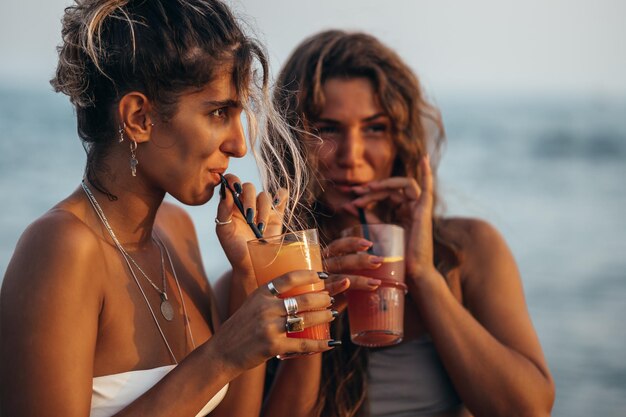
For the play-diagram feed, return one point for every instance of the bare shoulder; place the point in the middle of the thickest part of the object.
(57, 247)
(469, 231)
(59, 230)
(475, 238)
(481, 246)
(50, 304)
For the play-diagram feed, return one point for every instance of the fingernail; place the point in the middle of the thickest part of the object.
(222, 191)
(250, 215)
(334, 313)
(237, 187)
(364, 242)
(322, 275)
(376, 259)
(333, 343)
(332, 300)
(373, 282)
(276, 201)
(261, 227)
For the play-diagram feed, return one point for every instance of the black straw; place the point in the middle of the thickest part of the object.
(365, 227)
(248, 217)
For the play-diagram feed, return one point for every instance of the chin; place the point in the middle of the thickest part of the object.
(204, 198)
(335, 201)
(196, 198)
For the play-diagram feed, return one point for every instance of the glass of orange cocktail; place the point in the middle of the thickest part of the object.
(276, 255)
(377, 317)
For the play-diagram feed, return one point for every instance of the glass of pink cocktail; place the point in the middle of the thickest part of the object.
(377, 317)
(276, 255)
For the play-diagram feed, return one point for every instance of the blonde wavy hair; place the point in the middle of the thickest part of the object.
(164, 48)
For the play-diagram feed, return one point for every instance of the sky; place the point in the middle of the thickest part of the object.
(478, 46)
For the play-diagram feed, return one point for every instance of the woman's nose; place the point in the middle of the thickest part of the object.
(350, 149)
(235, 143)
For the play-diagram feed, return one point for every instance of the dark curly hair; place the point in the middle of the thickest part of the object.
(164, 48)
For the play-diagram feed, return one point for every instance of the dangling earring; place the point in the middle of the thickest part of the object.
(133, 158)
(120, 130)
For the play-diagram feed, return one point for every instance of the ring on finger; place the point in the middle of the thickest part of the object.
(291, 305)
(294, 324)
(222, 223)
(272, 289)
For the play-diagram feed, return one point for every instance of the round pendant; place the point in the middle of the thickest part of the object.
(167, 310)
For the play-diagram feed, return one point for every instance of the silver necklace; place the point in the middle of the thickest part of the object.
(166, 308)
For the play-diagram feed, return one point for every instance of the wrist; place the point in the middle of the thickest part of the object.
(424, 280)
(218, 356)
(245, 279)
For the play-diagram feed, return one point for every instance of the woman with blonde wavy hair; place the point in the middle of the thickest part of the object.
(105, 306)
(469, 346)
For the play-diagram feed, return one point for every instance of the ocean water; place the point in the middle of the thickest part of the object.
(549, 173)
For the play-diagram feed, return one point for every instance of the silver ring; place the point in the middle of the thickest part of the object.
(291, 305)
(272, 288)
(294, 324)
(221, 223)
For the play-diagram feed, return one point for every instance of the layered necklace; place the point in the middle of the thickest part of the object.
(167, 311)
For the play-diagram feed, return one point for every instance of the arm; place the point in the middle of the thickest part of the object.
(50, 310)
(491, 352)
(295, 389)
(45, 304)
(51, 302)
(245, 393)
(492, 341)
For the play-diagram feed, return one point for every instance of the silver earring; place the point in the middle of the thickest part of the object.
(120, 130)
(133, 158)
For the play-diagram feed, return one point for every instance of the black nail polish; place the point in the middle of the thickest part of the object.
(334, 313)
(250, 215)
(222, 191)
(322, 275)
(333, 343)
(332, 300)
(276, 201)
(237, 187)
(261, 227)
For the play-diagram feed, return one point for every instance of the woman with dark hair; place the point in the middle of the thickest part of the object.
(105, 306)
(469, 346)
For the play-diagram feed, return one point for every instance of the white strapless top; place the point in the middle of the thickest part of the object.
(111, 393)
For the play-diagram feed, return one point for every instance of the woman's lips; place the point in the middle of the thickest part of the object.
(344, 186)
(215, 174)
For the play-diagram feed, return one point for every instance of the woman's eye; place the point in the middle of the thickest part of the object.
(376, 128)
(327, 130)
(219, 113)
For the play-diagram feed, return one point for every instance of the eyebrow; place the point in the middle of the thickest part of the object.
(367, 119)
(222, 103)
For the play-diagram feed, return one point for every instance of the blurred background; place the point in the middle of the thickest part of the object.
(533, 96)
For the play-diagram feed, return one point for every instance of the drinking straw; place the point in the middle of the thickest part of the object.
(249, 219)
(365, 227)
